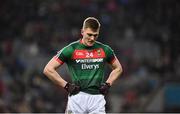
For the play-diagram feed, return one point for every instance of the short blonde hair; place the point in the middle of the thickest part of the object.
(92, 23)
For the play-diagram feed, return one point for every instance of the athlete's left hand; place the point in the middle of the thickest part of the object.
(104, 89)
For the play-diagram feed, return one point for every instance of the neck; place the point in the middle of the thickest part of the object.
(82, 41)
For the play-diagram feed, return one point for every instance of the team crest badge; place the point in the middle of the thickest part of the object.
(99, 52)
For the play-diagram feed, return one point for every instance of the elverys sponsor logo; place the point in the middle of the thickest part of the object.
(91, 66)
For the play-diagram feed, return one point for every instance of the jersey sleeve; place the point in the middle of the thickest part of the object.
(63, 55)
(110, 55)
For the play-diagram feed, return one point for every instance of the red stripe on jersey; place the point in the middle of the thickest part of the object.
(83, 54)
(58, 60)
(112, 61)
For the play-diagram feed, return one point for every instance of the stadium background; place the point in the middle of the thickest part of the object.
(144, 34)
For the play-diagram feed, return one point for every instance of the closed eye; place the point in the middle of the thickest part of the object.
(89, 34)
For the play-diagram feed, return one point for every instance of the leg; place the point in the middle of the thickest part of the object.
(76, 104)
(97, 104)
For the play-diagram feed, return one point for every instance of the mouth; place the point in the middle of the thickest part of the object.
(91, 41)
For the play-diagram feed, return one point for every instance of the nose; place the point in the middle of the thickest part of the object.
(92, 37)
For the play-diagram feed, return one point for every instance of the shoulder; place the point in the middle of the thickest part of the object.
(104, 46)
(68, 48)
(74, 43)
(71, 45)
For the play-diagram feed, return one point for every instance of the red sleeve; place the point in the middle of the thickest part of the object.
(112, 60)
(58, 60)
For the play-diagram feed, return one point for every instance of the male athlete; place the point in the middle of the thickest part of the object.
(86, 60)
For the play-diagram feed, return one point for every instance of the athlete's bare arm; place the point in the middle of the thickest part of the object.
(52, 74)
(117, 70)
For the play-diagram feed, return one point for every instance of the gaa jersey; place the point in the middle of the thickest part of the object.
(86, 64)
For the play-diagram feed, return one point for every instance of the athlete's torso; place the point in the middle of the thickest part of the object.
(86, 64)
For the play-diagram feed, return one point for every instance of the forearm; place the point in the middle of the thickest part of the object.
(114, 75)
(55, 77)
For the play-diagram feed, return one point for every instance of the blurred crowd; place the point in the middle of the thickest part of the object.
(143, 33)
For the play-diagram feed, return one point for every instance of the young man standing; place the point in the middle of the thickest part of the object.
(86, 60)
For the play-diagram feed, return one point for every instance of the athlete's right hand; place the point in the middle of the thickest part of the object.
(72, 89)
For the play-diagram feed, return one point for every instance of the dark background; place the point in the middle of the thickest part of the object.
(143, 33)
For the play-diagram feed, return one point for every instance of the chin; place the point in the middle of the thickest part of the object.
(90, 44)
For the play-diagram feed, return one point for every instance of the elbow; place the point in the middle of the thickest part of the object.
(47, 71)
(119, 70)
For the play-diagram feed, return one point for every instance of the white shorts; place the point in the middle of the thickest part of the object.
(83, 103)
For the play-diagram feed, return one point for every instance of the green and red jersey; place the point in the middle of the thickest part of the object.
(86, 64)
